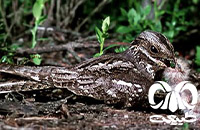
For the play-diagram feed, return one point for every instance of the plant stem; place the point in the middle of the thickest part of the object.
(34, 36)
(101, 47)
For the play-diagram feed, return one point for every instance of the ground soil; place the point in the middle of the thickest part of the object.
(22, 111)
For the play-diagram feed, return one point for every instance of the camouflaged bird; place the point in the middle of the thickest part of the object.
(120, 78)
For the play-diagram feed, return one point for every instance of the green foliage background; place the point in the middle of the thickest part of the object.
(174, 18)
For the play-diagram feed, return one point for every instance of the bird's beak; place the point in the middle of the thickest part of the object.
(163, 63)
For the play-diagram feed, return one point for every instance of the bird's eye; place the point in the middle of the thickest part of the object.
(153, 49)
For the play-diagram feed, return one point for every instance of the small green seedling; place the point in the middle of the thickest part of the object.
(37, 13)
(9, 53)
(102, 35)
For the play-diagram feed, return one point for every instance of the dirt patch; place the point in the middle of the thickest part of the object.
(73, 113)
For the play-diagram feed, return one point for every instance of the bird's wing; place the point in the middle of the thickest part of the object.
(107, 78)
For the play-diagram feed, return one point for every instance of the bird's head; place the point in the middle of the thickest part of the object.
(152, 50)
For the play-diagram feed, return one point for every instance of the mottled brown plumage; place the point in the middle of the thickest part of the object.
(121, 78)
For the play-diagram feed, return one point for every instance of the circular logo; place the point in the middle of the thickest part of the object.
(173, 100)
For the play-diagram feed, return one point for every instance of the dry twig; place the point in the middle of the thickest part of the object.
(64, 47)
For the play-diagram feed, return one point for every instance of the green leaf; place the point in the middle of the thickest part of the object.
(121, 49)
(197, 56)
(7, 59)
(158, 26)
(104, 35)
(123, 12)
(147, 10)
(105, 24)
(3, 59)
(99, 35)
(195, 1)
(36, 59)
(160, 13)
(124, 29)
(97, 55)
(180, 28)
(14, 47)
(37, 9)
(169, 34)
(137, 19)
(41, 19)
(131, 12)
(129, 38)
(131, 15)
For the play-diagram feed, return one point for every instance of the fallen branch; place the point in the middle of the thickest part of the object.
(65, 47)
